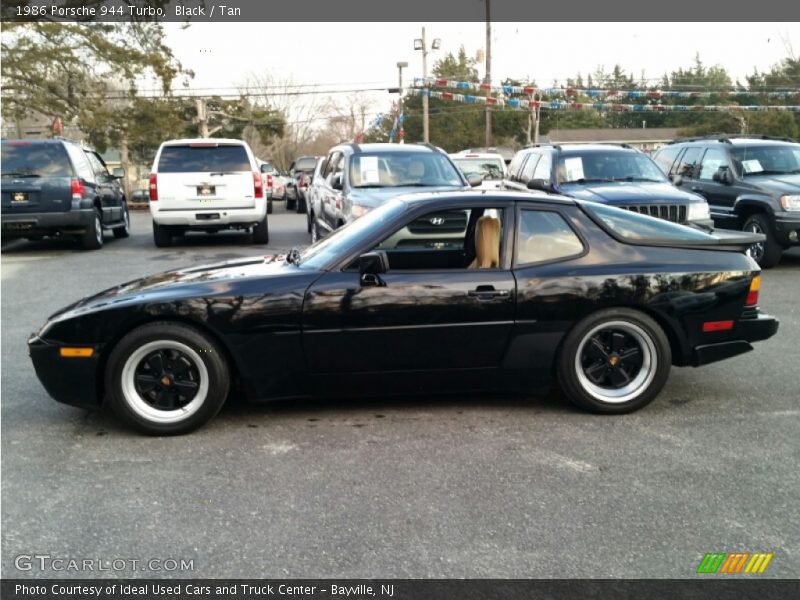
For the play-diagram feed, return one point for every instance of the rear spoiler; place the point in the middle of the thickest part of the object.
(723, 239)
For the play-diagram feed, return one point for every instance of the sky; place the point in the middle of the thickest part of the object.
(361, 55)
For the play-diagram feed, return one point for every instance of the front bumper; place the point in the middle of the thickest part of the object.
(74, 381)
(787, 226)
(28, 224)
(744, 333)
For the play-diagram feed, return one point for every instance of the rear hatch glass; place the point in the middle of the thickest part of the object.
(307, 163)
(35, 177)
(203, 159)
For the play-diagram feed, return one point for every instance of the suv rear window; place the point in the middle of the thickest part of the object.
(30, 160)
(635, 227)
(307, 163)
(203, 159)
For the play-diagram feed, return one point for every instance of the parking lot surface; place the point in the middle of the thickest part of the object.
(419, 487)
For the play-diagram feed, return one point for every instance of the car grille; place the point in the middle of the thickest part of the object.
(670, 212)
(444, 222)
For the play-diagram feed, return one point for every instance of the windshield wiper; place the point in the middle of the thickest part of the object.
(293, 257)
(634, 178)
(584, 180)
(216, 173)
(21, 174)
(767, 172)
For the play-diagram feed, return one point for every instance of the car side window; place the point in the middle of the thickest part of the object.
(530, 165)
(665, 158)
(688, 161)
(329, 164)
(516, 163)
(447, 239)
(713, 159)
(543, 168)
(100, 169)
(544, 236)
(82, 166)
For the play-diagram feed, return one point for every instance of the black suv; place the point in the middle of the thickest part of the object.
(56, 187)
(614, 174)
(355, 178)
(751, 183)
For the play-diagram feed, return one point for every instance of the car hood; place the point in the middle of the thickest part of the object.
(775, 184)
(204, 280)
(373, 197)
(628, 192)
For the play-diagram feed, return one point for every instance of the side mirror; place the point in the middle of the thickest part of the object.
(723, 175)
(676, 179)
(541, 185)
(118, 172)
(336, 181)
(373, 263)
(474, 179)
(265, 169)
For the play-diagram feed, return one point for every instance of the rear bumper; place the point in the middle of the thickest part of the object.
(72, 381)
(210, 217)
(26, 224)
(746, 332)
(787, 224)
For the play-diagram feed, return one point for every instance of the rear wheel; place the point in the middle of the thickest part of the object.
(125, 230)
(309, 219)
(314, 232)
(300, 205)
(261, 232)
(767, 253)
(166, 378)
(291, 203)
(162, 235)
(92, 238)
(614, 361)
(269, 206)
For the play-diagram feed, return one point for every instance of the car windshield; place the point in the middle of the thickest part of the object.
(401, 169)
(346, 238)
(607, 165)
(23, 159)
(203, 158)
(767, 160)
(633, 226)
(487, 168)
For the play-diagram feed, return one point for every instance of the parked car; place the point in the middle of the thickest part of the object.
(60, 188)
(533, 294)
(750, 183)
(268, 181)
(614, 174)
(206, 185)
(140, 195)
(360, 177)
(490, 167)
(314, 192)
(300, 172)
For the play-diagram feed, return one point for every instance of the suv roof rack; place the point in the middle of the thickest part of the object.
(431, 146)
(542, 145)
(725, 138)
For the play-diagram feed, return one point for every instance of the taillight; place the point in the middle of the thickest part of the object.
(301, 181)
(153, 187)
(257, 189)
(269, 180)
(752, 295)
(77, 189)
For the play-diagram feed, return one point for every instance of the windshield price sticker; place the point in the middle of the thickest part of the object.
(369, 169)
(752, 166)
(574, 168)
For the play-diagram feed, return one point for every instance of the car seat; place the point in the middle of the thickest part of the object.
(487, 244)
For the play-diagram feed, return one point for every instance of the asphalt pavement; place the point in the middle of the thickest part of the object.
(500, 487)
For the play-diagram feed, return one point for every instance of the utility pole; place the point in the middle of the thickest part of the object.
(202, 118)
(488, 74)
(425, 130)
(400, 133)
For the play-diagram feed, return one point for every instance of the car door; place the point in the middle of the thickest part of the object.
(430, 312)
(709, 183)
(108, 189)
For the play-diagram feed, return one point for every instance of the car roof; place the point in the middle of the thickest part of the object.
(203, 141)
(466, 154)
(378, 147)
(736, 140)
(482, 196)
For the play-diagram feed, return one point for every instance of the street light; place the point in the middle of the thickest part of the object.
(419, 44)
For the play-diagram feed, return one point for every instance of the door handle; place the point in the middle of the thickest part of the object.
(487, 292)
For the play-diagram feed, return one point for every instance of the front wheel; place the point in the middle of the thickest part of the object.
(166, 378)
(767, 253)
(614, 361)
(125, 230)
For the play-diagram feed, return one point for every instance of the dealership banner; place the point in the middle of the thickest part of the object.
(740, 588)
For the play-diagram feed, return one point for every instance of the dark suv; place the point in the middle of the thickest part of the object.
(751, 183)
(57, 187)
(614, 174)
(300, 172)
(355, 178)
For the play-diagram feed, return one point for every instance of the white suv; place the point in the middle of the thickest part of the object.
(206, 185)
